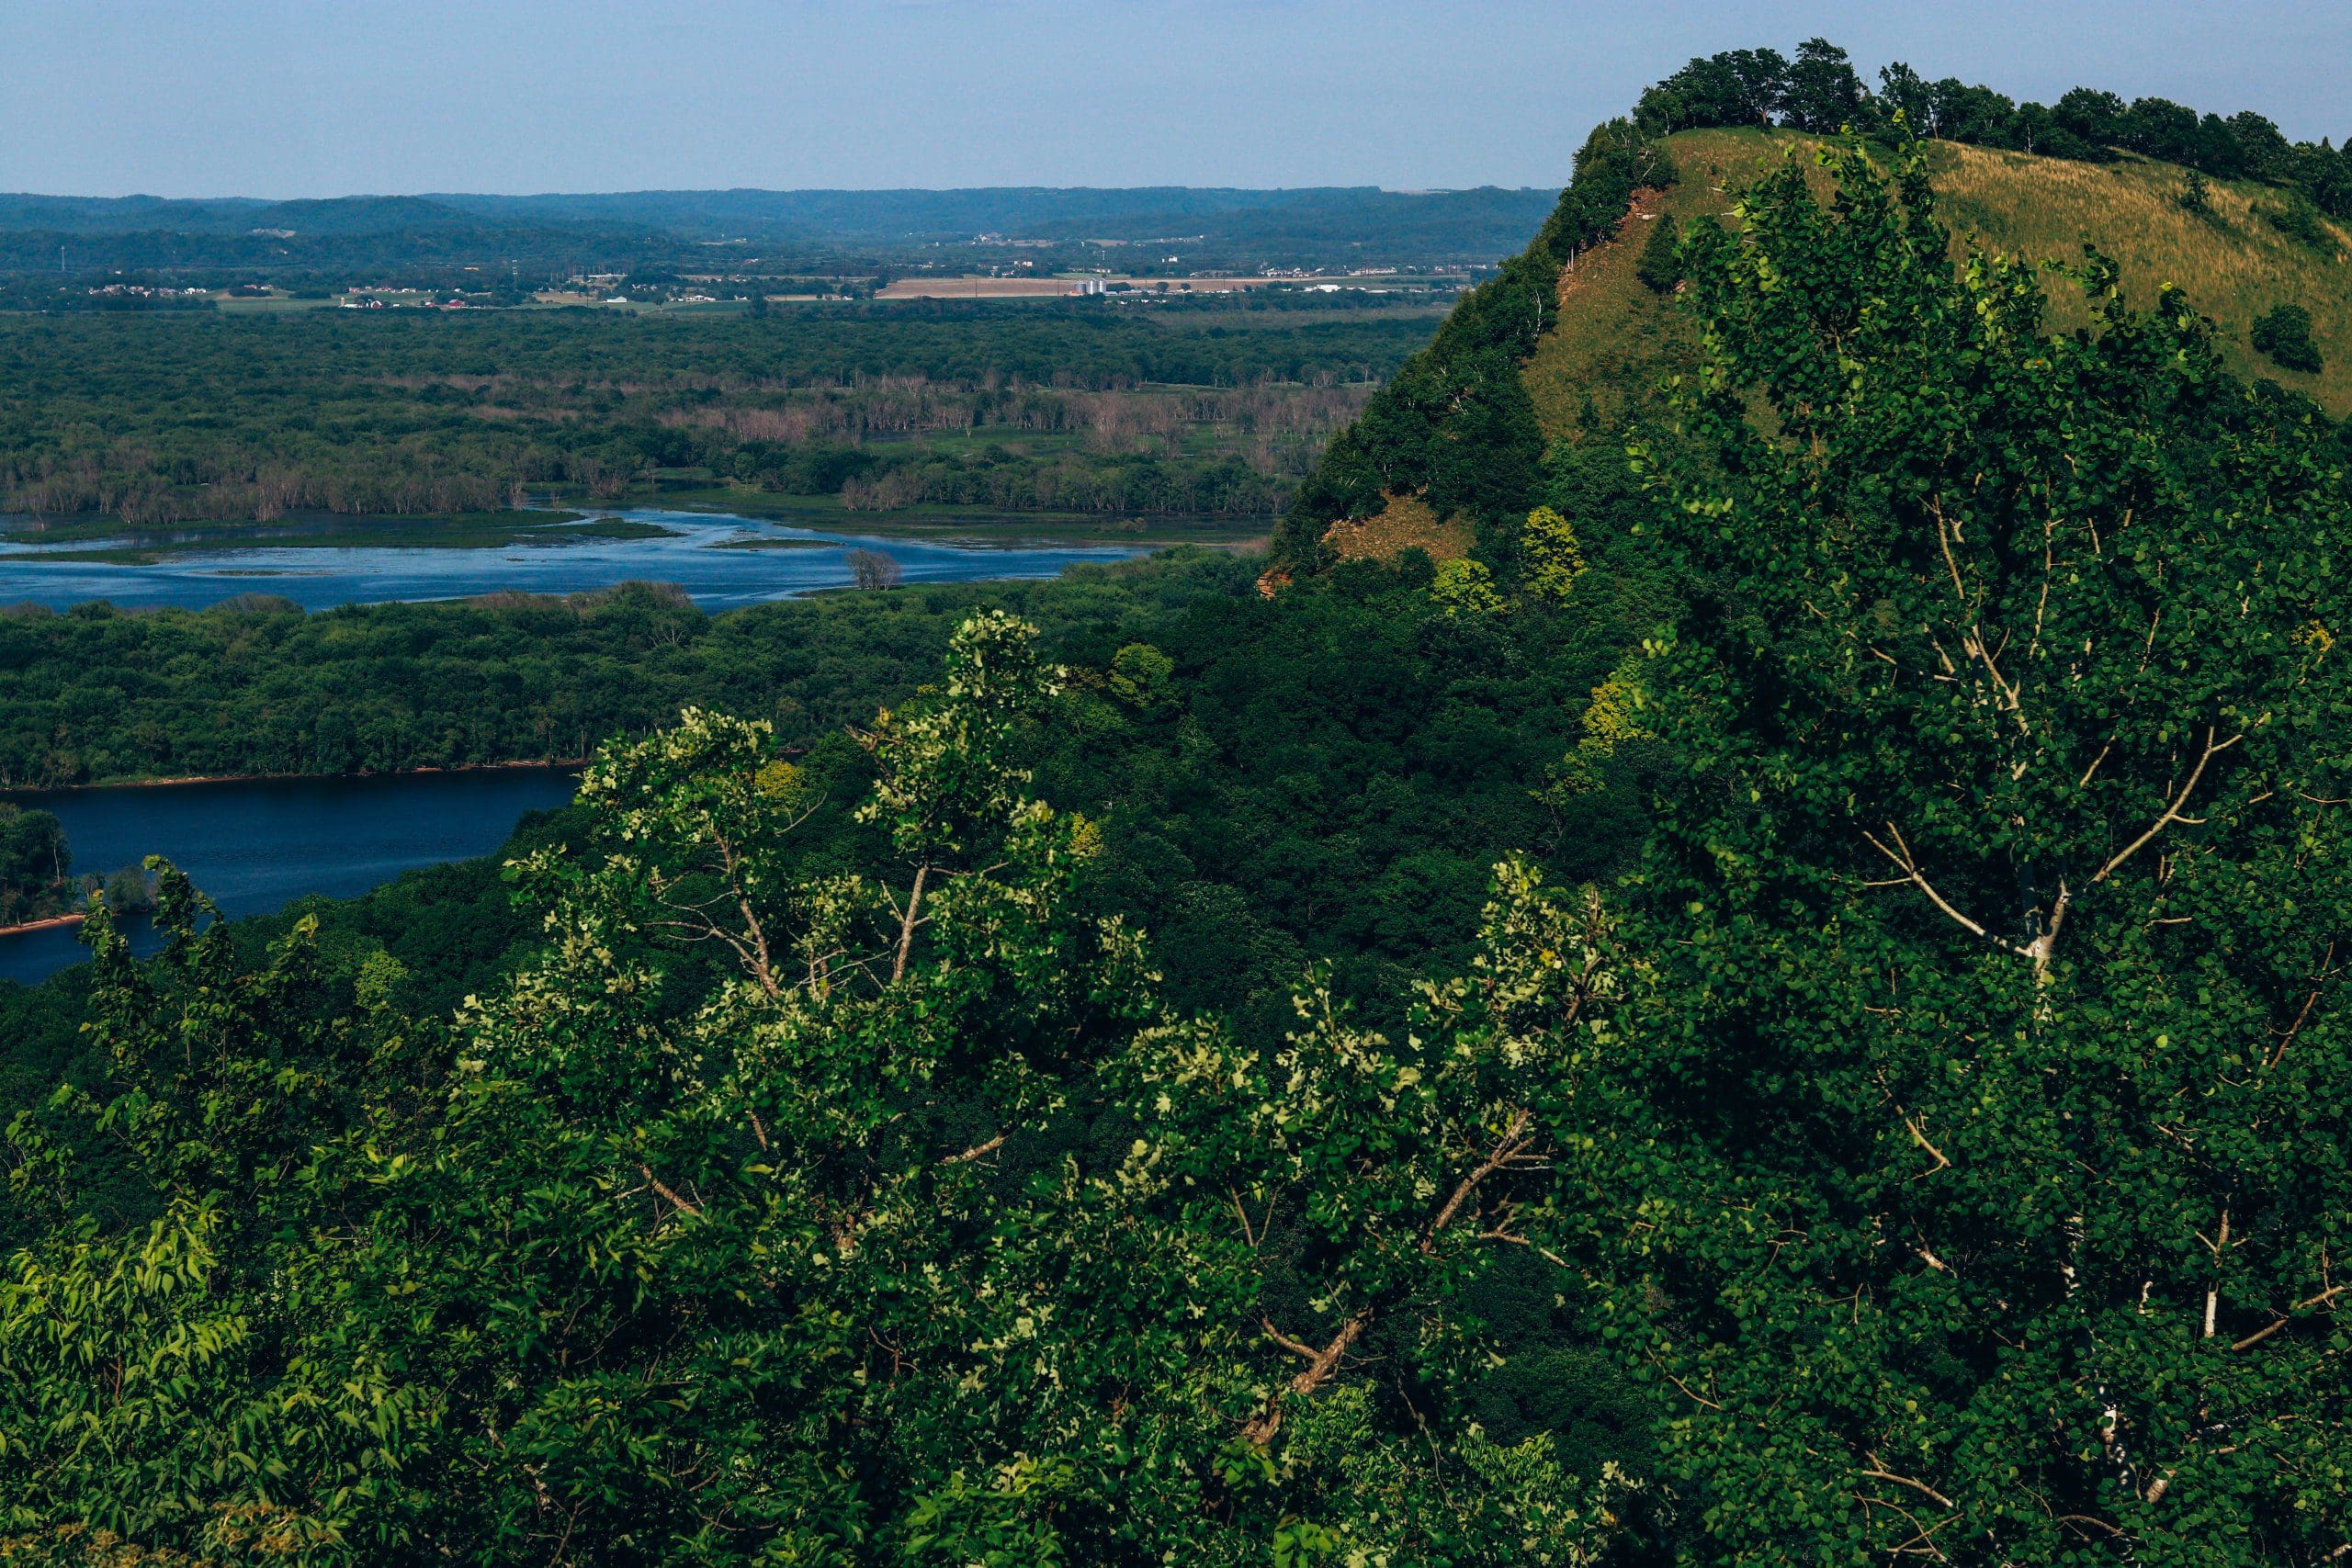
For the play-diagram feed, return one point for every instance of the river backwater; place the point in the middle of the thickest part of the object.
(253, 845)
(722, 560)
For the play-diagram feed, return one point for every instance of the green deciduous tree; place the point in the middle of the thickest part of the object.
(927, 1236)
(1823, 93)
(1552, 555)
(1967, 1162)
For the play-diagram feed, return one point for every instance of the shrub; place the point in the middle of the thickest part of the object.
(2301, 222)
(1661, 263)
(872, 568)
(2285, 334)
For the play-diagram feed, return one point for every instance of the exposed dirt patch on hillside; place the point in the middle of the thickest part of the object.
(1406, 523)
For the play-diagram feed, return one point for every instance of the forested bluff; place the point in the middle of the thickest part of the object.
(1782, 1010)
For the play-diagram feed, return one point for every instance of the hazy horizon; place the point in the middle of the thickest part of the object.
(765, 190)
(290, 99)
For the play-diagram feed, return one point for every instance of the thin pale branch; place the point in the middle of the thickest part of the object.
(976, 1151)
(1514, 1239)
(1919, 1486)
(681, 1204)
(2172, 810)
(907, 923)
(1900, 855)
(1914, 1125)
(1510, 1152)
(2259, 1335)
(2297, 1028)
(1322, 1366)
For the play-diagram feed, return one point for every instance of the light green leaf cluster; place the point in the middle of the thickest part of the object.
(1554, 556)
(1466, 587)
(928, 1238)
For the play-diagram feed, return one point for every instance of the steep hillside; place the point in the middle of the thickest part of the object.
(1615, 336)
(1579, 331)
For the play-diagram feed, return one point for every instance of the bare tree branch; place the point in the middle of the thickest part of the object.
(1322, 1366)
(663, 1189)
(1915, 1125)
(2172, 810)
(1919, 1486)
(1900, 855)
(1510, 1152)
(2259, 1335)
(907, 923)
(976, 1151)
(1515, 1240)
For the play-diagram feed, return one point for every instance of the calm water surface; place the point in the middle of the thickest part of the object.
(695, 555)
(255, 845)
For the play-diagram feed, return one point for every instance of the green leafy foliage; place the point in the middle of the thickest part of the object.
(1969, 1171)
(1551, 556)
(2284, 332)
(927, 1234)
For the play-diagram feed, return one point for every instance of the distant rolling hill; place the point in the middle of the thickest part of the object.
(1331, 228)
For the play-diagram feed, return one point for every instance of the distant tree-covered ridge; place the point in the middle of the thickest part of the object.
(759, 233)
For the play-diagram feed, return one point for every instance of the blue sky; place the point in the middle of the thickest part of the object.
(324, 97)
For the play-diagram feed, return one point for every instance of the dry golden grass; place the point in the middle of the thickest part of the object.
(1616, 339)
(1406, 522)
(2232, 264)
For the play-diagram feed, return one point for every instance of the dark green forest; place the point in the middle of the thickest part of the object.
(1781, 1011)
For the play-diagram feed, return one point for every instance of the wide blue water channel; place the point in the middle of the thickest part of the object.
(256, 844)
(694, 554)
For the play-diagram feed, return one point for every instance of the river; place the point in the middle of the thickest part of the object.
(256, 844)
(722, 560)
